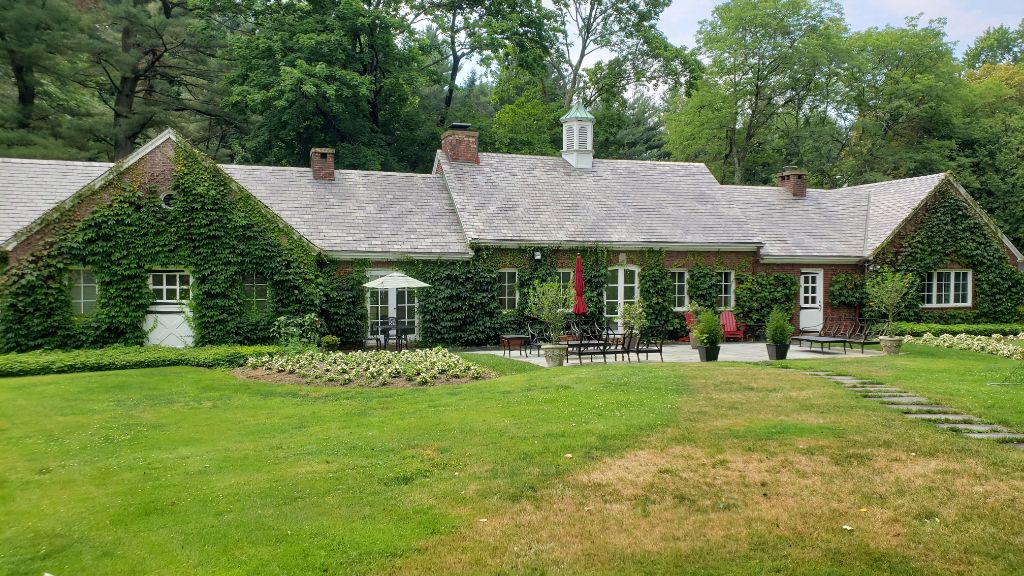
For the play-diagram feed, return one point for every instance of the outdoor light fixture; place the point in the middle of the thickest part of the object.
(537, 255)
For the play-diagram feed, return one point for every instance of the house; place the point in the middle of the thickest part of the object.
(167, 248)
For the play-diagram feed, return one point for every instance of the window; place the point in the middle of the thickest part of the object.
(254, 288)
(170, 286)
(565, 279)
(622, 288)
(82, 291)
(946, 288)
(680, 300)
(725, 289)
(508, 289)
(385, 303)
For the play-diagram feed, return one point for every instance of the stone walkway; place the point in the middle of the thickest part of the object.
(921, 408)
(676, 352)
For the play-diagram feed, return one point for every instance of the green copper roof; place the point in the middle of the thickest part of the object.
(578, 112)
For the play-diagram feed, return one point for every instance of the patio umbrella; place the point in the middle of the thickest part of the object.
(580, 306)
(396, 280)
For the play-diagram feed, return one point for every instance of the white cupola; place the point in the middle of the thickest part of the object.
(578, 137)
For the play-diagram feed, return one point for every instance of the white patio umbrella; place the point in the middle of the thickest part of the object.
(396, 280)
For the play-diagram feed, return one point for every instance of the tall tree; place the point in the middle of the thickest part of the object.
(998, 45)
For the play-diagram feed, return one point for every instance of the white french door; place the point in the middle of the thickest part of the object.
(384, 303)
(623, 287)
(811, 313)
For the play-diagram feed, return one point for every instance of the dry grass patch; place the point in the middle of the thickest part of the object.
(764, 472)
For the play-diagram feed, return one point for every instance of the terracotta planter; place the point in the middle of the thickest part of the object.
(708, 353)
(554, 354)
(891, 345)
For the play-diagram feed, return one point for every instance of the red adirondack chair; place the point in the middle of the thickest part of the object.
(690, 321)
(730, 328)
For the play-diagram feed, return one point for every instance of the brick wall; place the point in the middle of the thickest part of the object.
(829, 271)
(152, 174)
(321, 162)
(460, 146)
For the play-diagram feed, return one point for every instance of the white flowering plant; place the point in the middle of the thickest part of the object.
(1006, 346)
(371, 368)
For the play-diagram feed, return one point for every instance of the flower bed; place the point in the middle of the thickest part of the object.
(997, 344)
(374, 368)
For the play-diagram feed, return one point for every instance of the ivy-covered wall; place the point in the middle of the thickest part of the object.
(216, 231)
(949, 233)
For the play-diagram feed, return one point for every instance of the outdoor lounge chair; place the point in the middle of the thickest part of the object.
(590, 342)
(730, 328)
(832, 332)
(865, 334)
(650, 342)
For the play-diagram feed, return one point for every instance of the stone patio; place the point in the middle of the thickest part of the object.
(675, 352)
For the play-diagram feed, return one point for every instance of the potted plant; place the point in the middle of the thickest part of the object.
(547, 303)
(886, 291)
(777, 333)
(709, 333)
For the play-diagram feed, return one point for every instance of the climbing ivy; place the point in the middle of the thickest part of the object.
(951, 232)
(656, 288)
(343, 311)
(701, 285)
(216, 230)
(847, 290)
(759, 294)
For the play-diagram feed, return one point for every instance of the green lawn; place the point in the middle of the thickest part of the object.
(988, 386)
(727, 469)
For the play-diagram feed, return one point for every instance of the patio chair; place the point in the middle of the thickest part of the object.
(866, 333)
(652, 340)
(625, 344)
(730, 328)
(592, 344)
(534, 341)
(691, 319)
(831, 332)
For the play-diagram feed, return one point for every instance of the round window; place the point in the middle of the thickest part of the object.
(168, 200)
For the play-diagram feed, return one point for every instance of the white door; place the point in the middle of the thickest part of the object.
(622, 287)
(166, 321)
(811, 315)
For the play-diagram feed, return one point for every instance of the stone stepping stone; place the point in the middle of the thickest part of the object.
(818, 373)
(911, 408)
(865, 386)
(964, 427)
(846, 379)
(996, 436)
(875, 390)
(946, 417)
(1017, 445)
(902, 399)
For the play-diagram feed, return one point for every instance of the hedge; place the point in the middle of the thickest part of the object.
(920, 329)
(127, 357)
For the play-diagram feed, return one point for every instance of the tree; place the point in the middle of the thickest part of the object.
(998, 45)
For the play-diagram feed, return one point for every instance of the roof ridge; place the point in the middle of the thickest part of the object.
(336, 170)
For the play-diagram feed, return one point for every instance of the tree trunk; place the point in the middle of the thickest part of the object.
(124, 133)
(25, 79)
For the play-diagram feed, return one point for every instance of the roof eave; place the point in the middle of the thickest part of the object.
(678, 246)
(395, 256)
(812, 259)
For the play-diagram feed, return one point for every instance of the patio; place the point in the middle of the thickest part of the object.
(676, 352)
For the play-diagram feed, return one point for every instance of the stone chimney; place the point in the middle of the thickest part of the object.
(459, 144)
(321, 160)
(794, 180)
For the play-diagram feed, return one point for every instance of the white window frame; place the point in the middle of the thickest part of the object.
(934, 291)
(732, 289)
(503, 297)
(76, 290)
(164, 273)
(572, 278)
(621, 284)
(686, 289)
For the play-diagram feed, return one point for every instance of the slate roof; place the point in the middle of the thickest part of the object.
(528, 200)
(29, 188)
(375, 212)
(539, 199)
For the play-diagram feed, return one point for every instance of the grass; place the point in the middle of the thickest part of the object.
(984, 385)
(674, 468)
(499, 364)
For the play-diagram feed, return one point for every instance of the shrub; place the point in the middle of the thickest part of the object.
(779, 329)
(920, 329)
(999, 345)
(292, 330)
(709, 329)
(330, 343)
(634, 316)
(128, 357)
(847, 290)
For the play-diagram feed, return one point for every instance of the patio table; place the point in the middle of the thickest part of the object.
(509, 341)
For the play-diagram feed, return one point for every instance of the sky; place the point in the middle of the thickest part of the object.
(967, 19)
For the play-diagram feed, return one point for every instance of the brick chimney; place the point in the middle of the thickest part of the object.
(459, 144)
(794, 180)
(321, 160)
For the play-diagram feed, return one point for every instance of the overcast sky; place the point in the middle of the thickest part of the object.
(967, 19)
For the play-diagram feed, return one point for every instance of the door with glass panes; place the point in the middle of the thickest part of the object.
(397, 303)
(622, 288)
(811, 313)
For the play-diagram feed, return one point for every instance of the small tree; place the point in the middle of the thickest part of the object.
(886, 291)
(634, 316)
(779, 330)
(548, 303)
(709, 329)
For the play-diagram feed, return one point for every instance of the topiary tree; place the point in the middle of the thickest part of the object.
(887, 291)
(549, 303)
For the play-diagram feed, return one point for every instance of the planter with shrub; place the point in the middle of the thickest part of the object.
(886, 291)
(548, 303)
(710, 336)
(778, 332)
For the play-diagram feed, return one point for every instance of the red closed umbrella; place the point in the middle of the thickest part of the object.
(580, 306)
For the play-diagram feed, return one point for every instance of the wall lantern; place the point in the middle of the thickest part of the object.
(537, 255)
